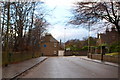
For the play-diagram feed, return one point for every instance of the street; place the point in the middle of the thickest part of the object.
(71, 67)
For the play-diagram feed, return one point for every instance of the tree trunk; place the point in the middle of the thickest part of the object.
(8, 25)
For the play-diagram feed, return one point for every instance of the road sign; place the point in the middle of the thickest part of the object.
(45, 45)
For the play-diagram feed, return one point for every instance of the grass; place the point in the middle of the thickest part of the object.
(113, 54)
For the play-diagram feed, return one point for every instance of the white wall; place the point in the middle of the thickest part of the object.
(61, 53)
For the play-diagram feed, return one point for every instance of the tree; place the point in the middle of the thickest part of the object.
(18, 25)
(93, 12)
(77, 44)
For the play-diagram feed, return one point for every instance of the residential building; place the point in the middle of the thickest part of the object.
(49, 46)
(109, 37)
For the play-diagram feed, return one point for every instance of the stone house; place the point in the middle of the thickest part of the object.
(109, 37)
(49, 46)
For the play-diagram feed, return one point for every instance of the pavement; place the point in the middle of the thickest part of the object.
(99, 61)
(0, 72)
(13, 70)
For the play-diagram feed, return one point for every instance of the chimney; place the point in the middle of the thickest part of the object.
(113, 28)
(107, 29)
(60, 41)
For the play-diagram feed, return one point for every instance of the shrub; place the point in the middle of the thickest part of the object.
(85, 48)
(114, 47)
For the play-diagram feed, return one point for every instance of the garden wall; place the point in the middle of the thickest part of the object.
(108, 58)
(76, 53)
(13, 57)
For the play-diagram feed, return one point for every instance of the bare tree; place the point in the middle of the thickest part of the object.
(19, 25)
(93, 12)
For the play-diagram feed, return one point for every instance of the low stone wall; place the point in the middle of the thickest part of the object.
(68, 53)
(108, 58)
(76, 53)
(13, 57)
(95, 56)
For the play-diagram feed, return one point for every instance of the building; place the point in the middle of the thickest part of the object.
(49, 46)
(109, 37)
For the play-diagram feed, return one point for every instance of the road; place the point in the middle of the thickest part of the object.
(71, 67)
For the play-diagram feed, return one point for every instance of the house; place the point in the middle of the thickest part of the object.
(49, 46)
(109, 37)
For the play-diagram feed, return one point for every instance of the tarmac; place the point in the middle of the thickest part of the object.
(14, 70)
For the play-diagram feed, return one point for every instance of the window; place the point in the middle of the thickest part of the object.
(55, 52)
(55, 44)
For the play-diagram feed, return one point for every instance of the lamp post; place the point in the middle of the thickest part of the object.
(64, 38)
(0, 44)
(88, 39)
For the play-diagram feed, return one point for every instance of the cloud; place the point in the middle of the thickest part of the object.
(58, 2)
(59, 32)
(59, 16)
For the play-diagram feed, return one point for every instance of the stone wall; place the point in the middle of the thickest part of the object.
(76, 53)
(108, 58)
(14, 57)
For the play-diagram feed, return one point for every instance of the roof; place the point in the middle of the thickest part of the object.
(48, 38)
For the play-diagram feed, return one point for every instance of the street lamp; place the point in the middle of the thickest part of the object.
(88, 39)
(64, 38)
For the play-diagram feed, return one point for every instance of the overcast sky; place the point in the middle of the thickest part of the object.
(58, 18)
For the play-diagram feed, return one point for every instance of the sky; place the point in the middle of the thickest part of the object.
(59, 16)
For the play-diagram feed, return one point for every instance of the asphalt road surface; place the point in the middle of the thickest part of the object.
(71, 67)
